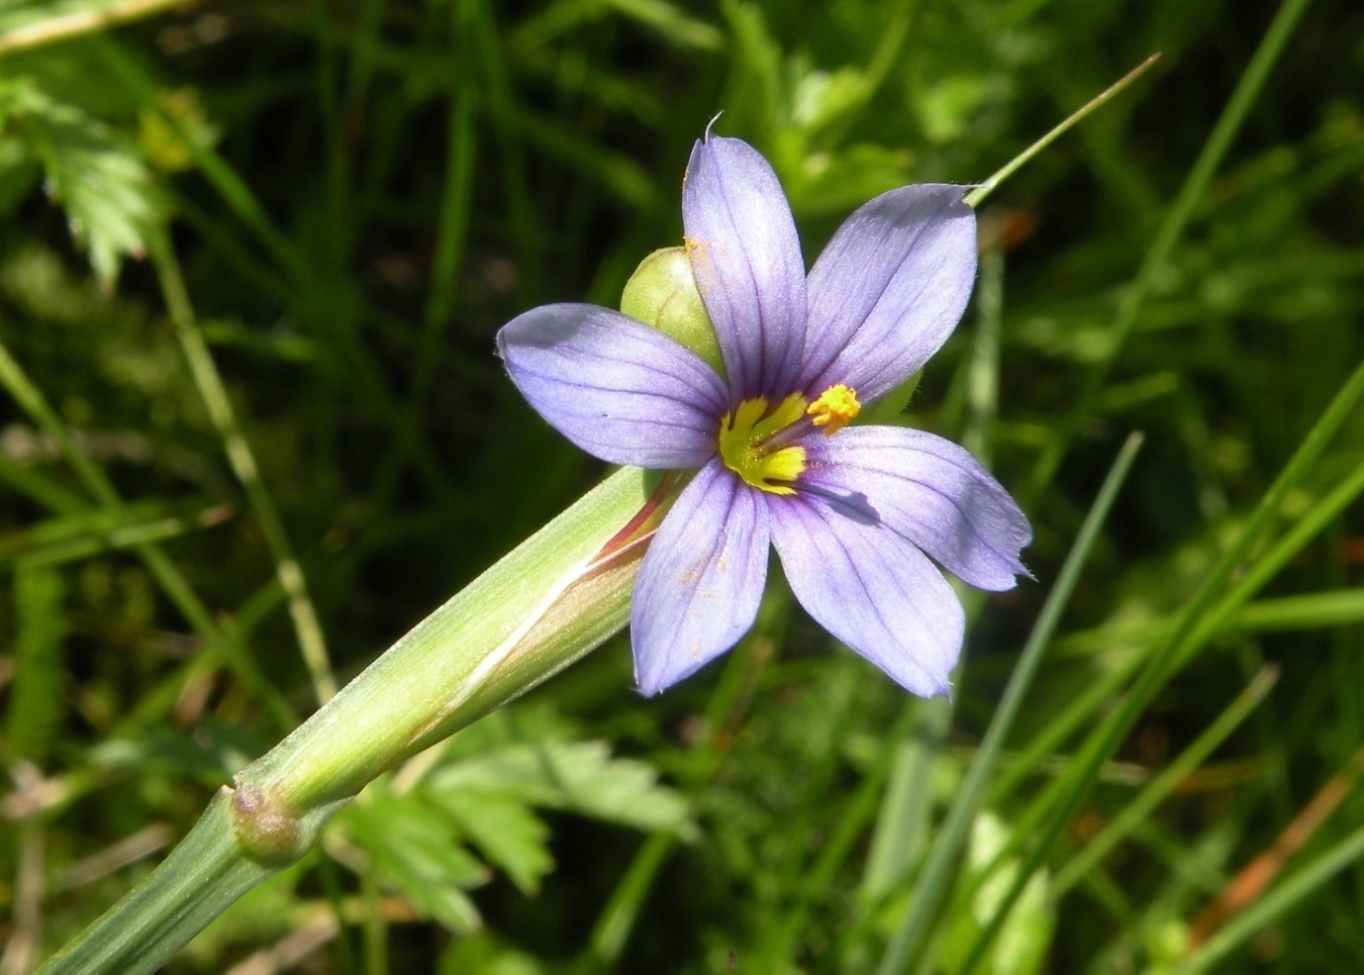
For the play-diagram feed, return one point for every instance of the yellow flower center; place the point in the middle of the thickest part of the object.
(755, 442)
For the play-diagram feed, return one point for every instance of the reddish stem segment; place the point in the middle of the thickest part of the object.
(645, 522)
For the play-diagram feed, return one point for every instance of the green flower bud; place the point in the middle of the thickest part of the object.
(663, 293)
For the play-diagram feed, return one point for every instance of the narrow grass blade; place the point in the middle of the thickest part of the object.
(1284, 898)
(977, 196)
(935, 879)
(1172, 652)
(167, 574)
(203, 369)
(1165, 783)
(76, 22)
(1172, 229)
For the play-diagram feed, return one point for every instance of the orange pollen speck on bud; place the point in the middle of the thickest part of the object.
(835, 407)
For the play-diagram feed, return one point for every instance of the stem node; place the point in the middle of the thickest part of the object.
(268, 829)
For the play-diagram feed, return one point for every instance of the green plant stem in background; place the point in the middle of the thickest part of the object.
(1229, 612)
(902, 823)
(1258, 917)
(206, 872)
(1171, 230)
(446, 266)
(210, 385)
(726, 708)
(218, 641)
(1054, 810)
(1159, 790)
(51, 30)
(313, 295)
(554, 598)
(1234, 612)
(935, 879)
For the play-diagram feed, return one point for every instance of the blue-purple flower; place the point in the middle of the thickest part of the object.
(855, 512)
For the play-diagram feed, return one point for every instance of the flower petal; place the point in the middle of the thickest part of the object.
(929, 491)
(699, 586)
(617, 388)
(871, 589)
(745, 256)
(889, 289)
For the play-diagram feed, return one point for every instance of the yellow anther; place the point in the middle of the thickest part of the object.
(835, 407)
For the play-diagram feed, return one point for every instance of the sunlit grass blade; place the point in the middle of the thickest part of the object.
(1248, 884)
(22, 31)
(1284, 898)
(1061, 801)
(89, 531)
(307, 626)
(1169, 779)
(1319, 609)
(1268, 565)
(318, 298)
(1171, 231)
(903, 822)
(978, 195)
(1231, 613)
(935, 879)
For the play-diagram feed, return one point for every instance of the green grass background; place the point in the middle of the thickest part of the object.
(252, 259)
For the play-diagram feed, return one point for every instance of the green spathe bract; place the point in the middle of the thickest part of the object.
(532, 614)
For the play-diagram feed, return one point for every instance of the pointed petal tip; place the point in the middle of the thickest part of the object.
(889, 288)
(657, 671)
(648, 688)
(933, 494)
(923, 683)
(651, 682)
(746, 259)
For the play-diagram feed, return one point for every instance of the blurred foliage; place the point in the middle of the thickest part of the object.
(360, 193)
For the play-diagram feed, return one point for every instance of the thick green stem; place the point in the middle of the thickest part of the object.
(559, 594)
(201, 877)
(526, 618)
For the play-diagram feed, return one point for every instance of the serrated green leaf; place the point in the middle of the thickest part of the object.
(416, 849)
(508, 834)
(209, 752)
(95, 172)
(581, 777)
